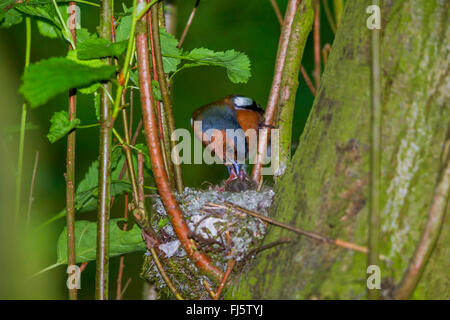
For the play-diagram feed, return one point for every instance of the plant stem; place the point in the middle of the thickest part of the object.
(301, 27)
(151, 132)
(375, 156)
(70, 165)
(23, 121)
(126, 65)
(167, 103)
(104, 176)
(188, 24)
(277, 11)
(338, 9)
(430, 236)
(63, 24)
(317, 65)
(162, 119)
(30, 198)
(329, 15)
(275, 89)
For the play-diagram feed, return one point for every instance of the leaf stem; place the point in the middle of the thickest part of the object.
(66, 30)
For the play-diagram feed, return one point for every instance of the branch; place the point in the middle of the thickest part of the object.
(375, 155)
(167, 103)
(150, 125)
(301, 27)
(317, 66)
(188, 24)
(70, 164)
(275, 90)
(436, 217)
(104, 176)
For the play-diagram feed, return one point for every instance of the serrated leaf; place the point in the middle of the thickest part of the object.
(169, 48)
(236, 63)
(47, 78)
(9, 17)
(100, 48)
(61, 125)
(120, 241)
(123, 29)
(84, 35)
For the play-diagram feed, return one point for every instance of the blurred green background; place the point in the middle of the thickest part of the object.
(247, 26)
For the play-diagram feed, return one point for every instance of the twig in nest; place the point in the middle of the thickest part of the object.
(230, 267)
(312, 235)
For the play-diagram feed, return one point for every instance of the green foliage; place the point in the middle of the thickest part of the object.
(100, 48)
(169, 51)
(156, 90)
(61, 125)
(120, 241)
(47, 78)
(9, 17)
(236, 63)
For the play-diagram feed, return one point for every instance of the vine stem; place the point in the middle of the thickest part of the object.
(70, 162)
(430, 235)
(30, 198)
(104, 176)
(375, 155)
(167, 102)
(23, 121)
(275, 89)
(151, 133)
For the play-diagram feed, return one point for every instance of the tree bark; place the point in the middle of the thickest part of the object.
(325, 189)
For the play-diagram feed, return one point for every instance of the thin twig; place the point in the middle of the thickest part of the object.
(329, 15)
(151, 248)
(163, 131)
(325, 52)
(275, 90)
(277, 11)
(188, 24)
(104, 176)
(154, 148)
(308, 81)
(302, 69)
(317, 65)
(230, 267)
(70, 164)
(375, 156)
(30, 198)
(167, 102)
(125, 287)
(309, 234)
(301, 27)
(430, 235)
(122, 258)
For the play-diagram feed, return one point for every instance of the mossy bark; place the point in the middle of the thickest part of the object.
(325, 189)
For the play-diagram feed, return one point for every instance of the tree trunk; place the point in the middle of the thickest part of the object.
(326, 187)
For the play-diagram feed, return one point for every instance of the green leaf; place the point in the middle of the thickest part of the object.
(84, 35)
(156, 90)
(48, 29)
(236, 63)
(9, 17)
(61, 125)
(123, 30)
(47, 78)
(100, 48)
(120, 241)
(169, 48)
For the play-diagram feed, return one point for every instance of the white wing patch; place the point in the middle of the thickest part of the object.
(240, 101)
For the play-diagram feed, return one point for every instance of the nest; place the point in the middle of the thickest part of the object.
(221, 233)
